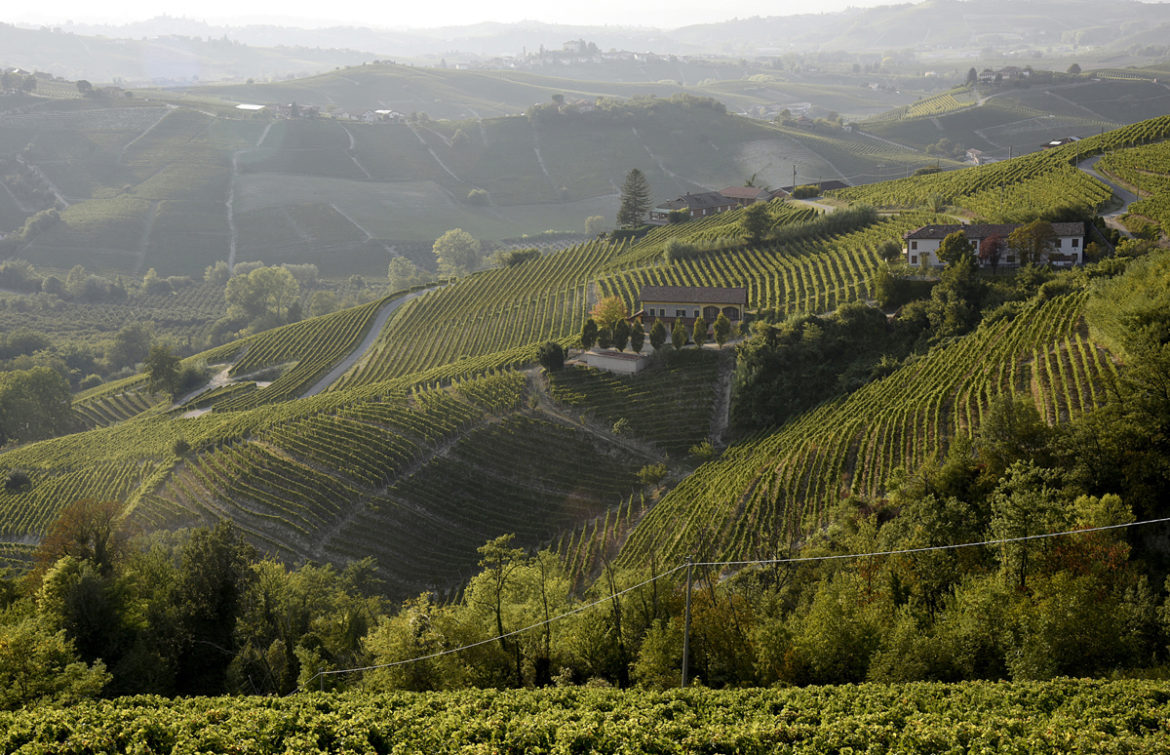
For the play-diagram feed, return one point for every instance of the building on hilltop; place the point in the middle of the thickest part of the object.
(671, 304)
(696, 205)
(921, 247)
(746, 195)
(822, 186)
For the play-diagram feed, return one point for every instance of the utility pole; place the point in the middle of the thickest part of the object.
(686, 659)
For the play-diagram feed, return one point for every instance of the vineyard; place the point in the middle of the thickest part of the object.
(1147, 170)
(486, 313)
(670, 405)
(1045, 174)
(1063, 716)
(930, 106)
(810, 275)
(720, 229)
(418, 479)
(764, 492)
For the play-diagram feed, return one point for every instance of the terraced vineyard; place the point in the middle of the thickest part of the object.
(1046, 172)
(670, 404)
(483, 314)
(1146, 169)
(938, 104)
(814, 275)
(1024, 200)
(763, 492)
(713, 229)
(418, 480)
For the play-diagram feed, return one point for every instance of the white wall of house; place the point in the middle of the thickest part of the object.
(924, 253)
(620, 362)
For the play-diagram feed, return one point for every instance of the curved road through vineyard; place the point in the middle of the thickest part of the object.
(1127, 197)
(380, 320)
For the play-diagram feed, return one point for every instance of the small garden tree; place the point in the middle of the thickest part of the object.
(722, 329)
(657, 335)
(700, 333)
(991, 249)
(678, 335)
(605, 338)
(621, 335)
(637, 337)
(589, 334)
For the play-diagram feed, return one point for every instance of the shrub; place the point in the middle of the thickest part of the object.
(17, 481)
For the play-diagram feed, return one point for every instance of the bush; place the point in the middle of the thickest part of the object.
(551, 356)
(652, 474)
(91, 380)
(806, 191)
(17, 481)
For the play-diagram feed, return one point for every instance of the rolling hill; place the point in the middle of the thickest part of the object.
(414, 454)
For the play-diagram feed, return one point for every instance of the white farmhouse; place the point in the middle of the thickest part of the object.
(921, 247)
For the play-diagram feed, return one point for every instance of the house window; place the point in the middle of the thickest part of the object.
(913, 259)
(914, 245)
(1076, 243)
(1058, 243)
(680, 313)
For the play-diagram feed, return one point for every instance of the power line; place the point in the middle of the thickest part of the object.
(497, 638)
(925, 548)
(755, 562)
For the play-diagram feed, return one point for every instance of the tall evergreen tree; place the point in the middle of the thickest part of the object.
(635, 199)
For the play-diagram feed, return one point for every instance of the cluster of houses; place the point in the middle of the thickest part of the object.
(921, 244)
(293, 110)
(1007, 73)
(704, 203)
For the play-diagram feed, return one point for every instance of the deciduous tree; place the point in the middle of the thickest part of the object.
(457, 252)
(609, 312)
(991, 250)
(955, 248)
(756, 222)
(162, 370)
(1031, 243)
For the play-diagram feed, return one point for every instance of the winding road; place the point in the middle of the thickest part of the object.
(380, 320)
(1127, 197)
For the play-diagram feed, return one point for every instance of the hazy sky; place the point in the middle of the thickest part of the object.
(419, 14)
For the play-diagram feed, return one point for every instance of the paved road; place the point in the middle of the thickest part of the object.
(1126, 196)
(380, 320)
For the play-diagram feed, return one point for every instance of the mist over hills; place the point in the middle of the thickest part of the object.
(167, 49)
